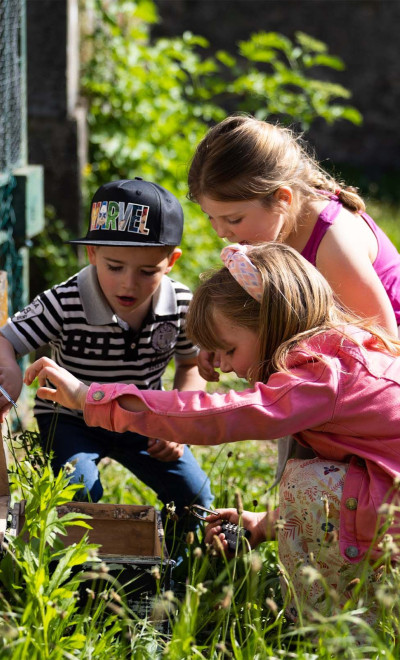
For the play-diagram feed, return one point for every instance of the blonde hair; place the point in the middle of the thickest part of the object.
(244, 158)
(297, 303)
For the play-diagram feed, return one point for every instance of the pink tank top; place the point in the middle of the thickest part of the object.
(386, 264)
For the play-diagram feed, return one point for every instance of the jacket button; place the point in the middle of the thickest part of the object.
(98, 395)
(351, 503)
(351, 551)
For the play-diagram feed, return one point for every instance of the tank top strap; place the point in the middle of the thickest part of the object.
(325, 220)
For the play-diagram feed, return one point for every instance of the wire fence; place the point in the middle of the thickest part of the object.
(12, 141)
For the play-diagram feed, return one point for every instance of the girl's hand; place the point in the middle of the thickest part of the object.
(256, 523)
(67, 390)
(207, 362)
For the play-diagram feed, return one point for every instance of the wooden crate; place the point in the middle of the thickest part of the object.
(130, 539)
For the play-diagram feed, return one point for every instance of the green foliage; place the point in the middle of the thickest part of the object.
(151, 101)
(53, 260)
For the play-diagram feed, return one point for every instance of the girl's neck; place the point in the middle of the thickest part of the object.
(305, 223)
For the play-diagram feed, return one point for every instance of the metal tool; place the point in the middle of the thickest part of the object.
(233, 533)
(7, 396)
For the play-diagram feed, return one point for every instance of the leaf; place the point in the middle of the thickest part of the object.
(225, 58)
(310, 43)
(327, 60)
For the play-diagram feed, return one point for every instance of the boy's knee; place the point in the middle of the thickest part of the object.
(83, 470)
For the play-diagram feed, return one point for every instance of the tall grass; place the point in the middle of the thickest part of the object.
(217, 608)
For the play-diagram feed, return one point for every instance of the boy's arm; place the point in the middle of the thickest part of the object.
(10, 375)
(187, 377)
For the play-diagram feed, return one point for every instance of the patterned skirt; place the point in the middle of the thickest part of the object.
(315, 575)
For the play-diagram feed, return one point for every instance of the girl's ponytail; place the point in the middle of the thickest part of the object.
(347, 195)
(350, 198)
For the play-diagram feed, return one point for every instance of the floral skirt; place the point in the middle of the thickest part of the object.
(315, 575)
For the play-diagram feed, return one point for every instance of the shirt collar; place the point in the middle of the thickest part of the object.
(98, 311)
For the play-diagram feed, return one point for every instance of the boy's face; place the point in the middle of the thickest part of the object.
(129, 276)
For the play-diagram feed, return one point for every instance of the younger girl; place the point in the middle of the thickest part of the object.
(316, 374)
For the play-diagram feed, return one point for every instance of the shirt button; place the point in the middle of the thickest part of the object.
(133, 345)
(98, 395)
(351, 551)
(351, 503)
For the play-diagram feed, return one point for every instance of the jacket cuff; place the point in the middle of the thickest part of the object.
(99, 400)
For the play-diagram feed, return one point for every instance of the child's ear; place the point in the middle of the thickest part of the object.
(284, 194)
(173, 258)
(91, 252)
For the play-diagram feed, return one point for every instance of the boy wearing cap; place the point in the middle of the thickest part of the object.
(119, 319)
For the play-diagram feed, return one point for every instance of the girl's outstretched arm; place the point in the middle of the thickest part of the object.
(67, 390)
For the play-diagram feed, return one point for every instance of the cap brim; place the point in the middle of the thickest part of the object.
(83, 241)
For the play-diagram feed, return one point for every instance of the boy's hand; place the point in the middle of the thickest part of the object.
(207, 363)
(67, 390)
(163, 450)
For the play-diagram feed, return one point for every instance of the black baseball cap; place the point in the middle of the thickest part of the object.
(133, 212)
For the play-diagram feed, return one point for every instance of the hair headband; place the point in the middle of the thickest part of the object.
(243, 270)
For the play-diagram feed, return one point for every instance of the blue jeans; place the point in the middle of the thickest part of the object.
(71, 440)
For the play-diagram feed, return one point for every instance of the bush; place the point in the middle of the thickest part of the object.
(151, 101)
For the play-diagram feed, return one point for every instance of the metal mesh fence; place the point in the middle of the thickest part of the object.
(12, 106)
(11, 101)
(10, 257)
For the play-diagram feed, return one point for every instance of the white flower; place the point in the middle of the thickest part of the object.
(310, 574)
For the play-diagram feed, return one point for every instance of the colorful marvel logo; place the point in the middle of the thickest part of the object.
(120, 216)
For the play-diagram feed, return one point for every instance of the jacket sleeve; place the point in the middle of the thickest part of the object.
(287, 404)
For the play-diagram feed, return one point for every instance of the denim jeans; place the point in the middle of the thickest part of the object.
(71, 440)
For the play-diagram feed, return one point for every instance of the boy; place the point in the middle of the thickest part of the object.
(119, 319)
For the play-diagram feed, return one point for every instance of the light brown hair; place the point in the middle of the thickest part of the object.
(297, 303)
(245, 158)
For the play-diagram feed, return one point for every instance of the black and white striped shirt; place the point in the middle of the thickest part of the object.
(91, 342)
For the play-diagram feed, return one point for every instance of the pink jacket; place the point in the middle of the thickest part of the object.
(346, 408)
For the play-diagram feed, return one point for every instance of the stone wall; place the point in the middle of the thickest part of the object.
(364, 33)
(56, 122)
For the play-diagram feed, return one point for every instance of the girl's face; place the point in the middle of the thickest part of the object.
(245, 221)
(241, 346)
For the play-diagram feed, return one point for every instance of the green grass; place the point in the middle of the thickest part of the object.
(387, 216)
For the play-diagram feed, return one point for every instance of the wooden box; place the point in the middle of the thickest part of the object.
(130, 538)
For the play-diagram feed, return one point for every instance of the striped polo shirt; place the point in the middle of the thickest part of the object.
(92, 343)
